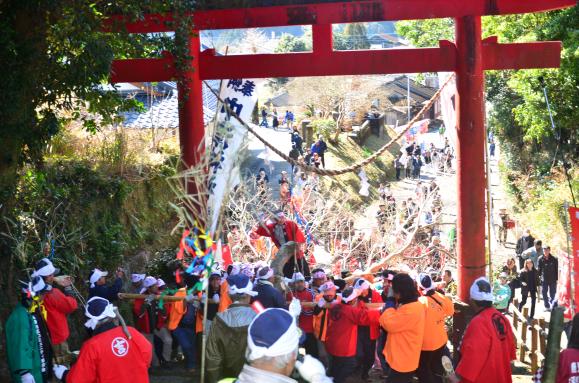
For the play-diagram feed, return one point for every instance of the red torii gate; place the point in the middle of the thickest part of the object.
(469, 56)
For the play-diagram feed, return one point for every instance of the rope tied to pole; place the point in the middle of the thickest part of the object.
(348, 169)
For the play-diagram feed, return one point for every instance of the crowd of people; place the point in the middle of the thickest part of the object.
(261, 327)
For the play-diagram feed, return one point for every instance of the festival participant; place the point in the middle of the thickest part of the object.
(214, 296)
(99, 288)
(137, 282)
(272, 351)
(27, 339)
(438, 307)
(487, 347)
(306, 319)
(182, 320)
(282, 230)
(267, 295)
(448, 284)
(58, 307)
(150, 317)
(568, 369)
(228, 336)
(368, 333)
(113, 353)
(342, 334)
(388, 276)
(318, 278)
(325, 300)
(405, 327)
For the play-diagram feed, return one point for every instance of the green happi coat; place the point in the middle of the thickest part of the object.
(22, 345)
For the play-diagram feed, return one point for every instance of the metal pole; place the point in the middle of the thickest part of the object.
(470, 154)
(408, 96)
(489, 209)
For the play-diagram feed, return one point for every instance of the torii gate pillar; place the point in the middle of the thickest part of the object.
(470, 153)
(190, 89)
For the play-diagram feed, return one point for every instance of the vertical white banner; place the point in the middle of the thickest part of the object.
(228, 141)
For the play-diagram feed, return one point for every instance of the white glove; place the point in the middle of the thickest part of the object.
(321, 303)
(215, 298)
(295, 308)
(59, 371)
(190, 298)
(312, 370)
(524, 283)
(27, 378)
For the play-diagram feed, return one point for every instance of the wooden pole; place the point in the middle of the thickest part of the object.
(523, 336)
(553, 345)
(534, 346)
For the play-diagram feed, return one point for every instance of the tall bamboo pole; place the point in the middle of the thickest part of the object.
(553, 345)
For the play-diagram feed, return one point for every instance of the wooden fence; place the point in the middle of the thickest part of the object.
(531, 336)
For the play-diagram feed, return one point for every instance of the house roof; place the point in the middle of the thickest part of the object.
(162, 111)
(418, 93)
(392, 38)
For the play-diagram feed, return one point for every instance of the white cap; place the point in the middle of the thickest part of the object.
(160, 282)
(481, 290)
(96, 275)
(136, 278)
(361, 284)
(148, 282)
(298, 277)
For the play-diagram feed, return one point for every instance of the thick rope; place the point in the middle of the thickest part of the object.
(351, 168)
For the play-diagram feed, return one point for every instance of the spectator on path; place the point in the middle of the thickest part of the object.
(492, 148)
(533, 253)
(58, 306)
(99, 287)
(510, 269)
(113, 353)
(272, 351)
(405, 327)
(316, 160)
(274, 120)
(289, 119)
(342, 334)
(528, 279)
(408, 166)
(261, 181)
(502, 293)
(267, 295)
(549, 274)
(438, 307)
(27, 339)
(264, 118)
(369, 332)
(526, 241)
(306, 318)
(228, 336)
(297, 140)
(322, 149)
(568, 369)
(398, 165)
(488, 346)
(416, 165)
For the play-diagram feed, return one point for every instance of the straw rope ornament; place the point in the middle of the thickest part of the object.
(348, 169)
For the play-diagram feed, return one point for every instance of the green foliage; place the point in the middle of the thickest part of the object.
(426, 33)
(290, 43)
(325, 127)
(356, 36)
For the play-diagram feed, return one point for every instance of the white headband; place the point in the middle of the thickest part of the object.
(247, 290)
(267, 275)
(109, 312)
(96, 275)
(135, 278)
(286, 343)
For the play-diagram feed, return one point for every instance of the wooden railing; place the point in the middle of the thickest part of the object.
(531, 337)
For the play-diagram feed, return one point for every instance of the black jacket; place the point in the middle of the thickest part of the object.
(524, 243)
(530, 278)
(549, 269)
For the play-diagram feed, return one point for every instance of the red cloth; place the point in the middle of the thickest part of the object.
(110, 357)
(143, 322)
(568, 370)
(342, 334)
(58, 306)
(374, 320)
(226, 255)
(487, 349)
(292, 233)
(307, 316)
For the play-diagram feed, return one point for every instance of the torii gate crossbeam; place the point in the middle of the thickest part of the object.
(468, 57)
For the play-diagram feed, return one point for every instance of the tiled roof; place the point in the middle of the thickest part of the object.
(161, 111)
